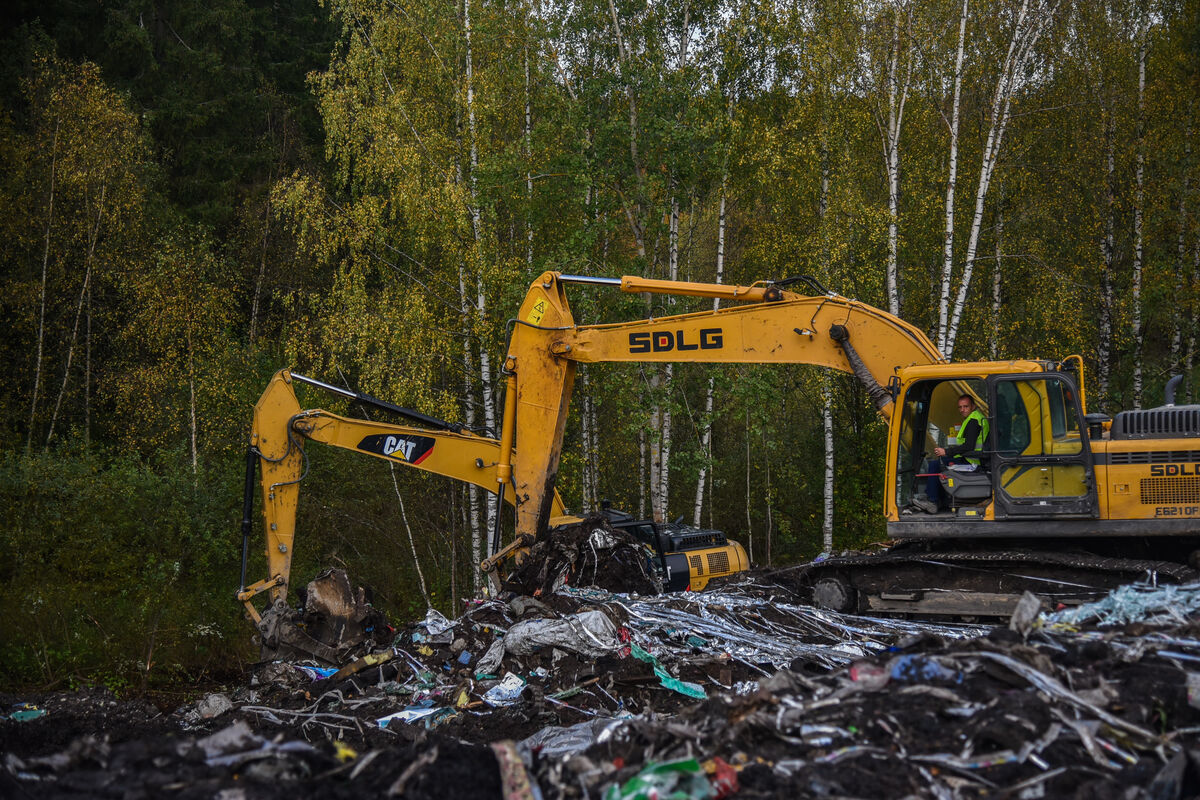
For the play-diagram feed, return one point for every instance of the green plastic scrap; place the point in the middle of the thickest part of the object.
(27, 714)
(674, 780)
(674, 684)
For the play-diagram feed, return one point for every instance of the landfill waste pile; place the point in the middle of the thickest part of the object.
(583, 692)
(588, 553)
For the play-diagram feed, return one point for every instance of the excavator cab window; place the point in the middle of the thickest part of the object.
(1042, 466)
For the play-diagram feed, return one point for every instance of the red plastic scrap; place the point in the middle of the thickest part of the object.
(723, 776)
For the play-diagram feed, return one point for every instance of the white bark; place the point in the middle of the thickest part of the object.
(1138, 205)
(952, 179)
(827, 491)
(643, 458)
(1107, 255)
(41, 334)
(1180, 259)
(706, 435)
(528, 169)
(192, 400)
(749, 520)
(485, 370)
(1191, 350)
(412, 545)
(997, 285)
(897, 96)
(1027, 30)
(93, 237)
(767, 475)
(262, 267)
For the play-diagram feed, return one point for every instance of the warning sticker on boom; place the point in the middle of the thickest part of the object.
(538, 311)
(412, 449)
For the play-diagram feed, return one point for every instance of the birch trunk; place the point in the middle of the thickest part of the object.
(952, 179)
(528, 167)
(1181, 256)
(997, 285)
(826, 379)
(262, 266)
(1191, 350)
(827, 492)
(749, 520)
(1027, 30)
(643, 459)
(192, 401)
(767, 475)
(1107, 255)
(897, 96)
(412, 545)
(1138, 205)
(480, 310)
(706, 435)
(93, 237)
(41, 331)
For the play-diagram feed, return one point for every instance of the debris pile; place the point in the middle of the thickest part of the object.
(586, 693)
(588, 553)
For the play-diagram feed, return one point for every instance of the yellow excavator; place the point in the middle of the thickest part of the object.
(1065, 503)
(277, 454)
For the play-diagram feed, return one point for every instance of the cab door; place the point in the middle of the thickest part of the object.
(1041, 461)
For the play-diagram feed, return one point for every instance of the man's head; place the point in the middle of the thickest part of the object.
(966, 404)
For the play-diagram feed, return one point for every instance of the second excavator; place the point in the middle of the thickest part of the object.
(1064, 503)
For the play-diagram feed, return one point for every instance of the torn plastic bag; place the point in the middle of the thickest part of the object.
(589, 633)
(436, 622)
(554, 742)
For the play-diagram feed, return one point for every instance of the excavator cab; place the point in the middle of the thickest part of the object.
(1036, 464)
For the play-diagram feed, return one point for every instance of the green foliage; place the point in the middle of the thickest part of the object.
(112, 568)
(192, 197)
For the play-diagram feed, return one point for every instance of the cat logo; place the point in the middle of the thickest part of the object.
(666, 341)
(410, 449)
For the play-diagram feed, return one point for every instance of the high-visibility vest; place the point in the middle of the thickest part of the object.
(981, 442)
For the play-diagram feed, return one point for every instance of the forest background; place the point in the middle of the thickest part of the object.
(196, 195)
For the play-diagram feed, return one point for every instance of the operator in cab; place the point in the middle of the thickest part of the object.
(971, 439)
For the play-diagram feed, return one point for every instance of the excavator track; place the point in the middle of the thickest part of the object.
(968, 583)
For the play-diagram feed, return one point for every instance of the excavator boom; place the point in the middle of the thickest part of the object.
(770, 326)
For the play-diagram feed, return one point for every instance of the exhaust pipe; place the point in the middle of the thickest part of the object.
(1169, 392)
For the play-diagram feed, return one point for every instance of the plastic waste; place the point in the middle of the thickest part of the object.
(665, 678)
(506, 692)
(681, 780)
(27, 713)
(213, 705)
(589, 633)
(413, 713)
(316, 673)
(919, 668)
(1136, 603)
(436, 622)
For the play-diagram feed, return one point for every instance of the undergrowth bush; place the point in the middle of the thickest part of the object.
(114, 572)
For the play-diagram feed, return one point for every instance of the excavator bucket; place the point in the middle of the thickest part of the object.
(336, 618)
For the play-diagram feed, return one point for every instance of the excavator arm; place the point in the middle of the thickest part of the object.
(278, 436)
(770, 325)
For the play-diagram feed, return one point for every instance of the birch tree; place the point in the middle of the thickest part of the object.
(1030, 20)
